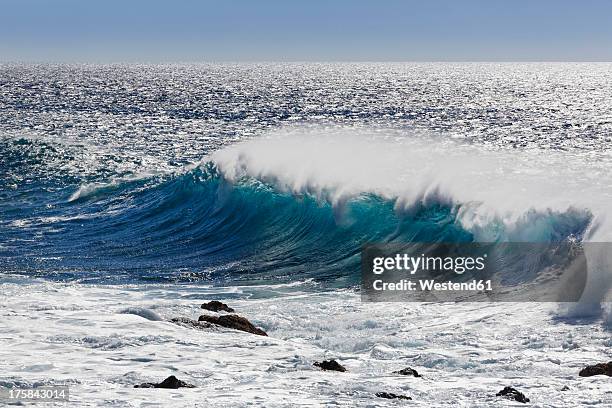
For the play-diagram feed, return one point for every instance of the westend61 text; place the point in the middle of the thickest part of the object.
(430, 284)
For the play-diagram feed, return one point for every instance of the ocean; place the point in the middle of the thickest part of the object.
(132, 193)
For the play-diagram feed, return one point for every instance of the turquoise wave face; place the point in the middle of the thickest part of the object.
(197, 226)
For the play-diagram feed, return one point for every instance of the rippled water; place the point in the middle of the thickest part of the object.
(97, 162)
(174, 114)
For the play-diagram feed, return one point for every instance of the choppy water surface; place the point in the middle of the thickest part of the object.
(128, 172)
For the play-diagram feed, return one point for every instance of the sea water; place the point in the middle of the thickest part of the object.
(132, 191)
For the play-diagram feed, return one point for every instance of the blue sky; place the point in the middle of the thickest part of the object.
(305, 30)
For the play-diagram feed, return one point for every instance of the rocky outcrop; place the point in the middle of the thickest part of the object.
(512, 393)
(183, 321)
(216, 306)
(233, 322)
(330, 365)
(171, 382)
(408, 371)
(390, 395)
(597, 369)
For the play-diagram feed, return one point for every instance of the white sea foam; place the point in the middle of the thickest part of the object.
(347, 162)
(89, 189)
(142, 312)
(517, 192)
(466, 352)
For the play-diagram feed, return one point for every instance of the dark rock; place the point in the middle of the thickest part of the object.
(216, 306)
(512, 393)
(408, 371)
(145, 385)
(390, 395)
(233, 322)
(183, 321)
(170, 382)
(565, 388)
(597, 369)
(331, 365)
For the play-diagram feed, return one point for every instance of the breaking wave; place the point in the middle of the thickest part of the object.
(293, 208)
(299, 207)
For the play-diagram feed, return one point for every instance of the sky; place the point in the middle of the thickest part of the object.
(305, 30)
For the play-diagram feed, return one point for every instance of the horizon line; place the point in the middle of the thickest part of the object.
(265, 61)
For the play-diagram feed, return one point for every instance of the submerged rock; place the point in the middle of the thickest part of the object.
(390, 395)
(408, 371)
(512, 393)
(331, 365)
(216, 306)
(183, 321)
(597, 369)
(170, 382)
(233, 322)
